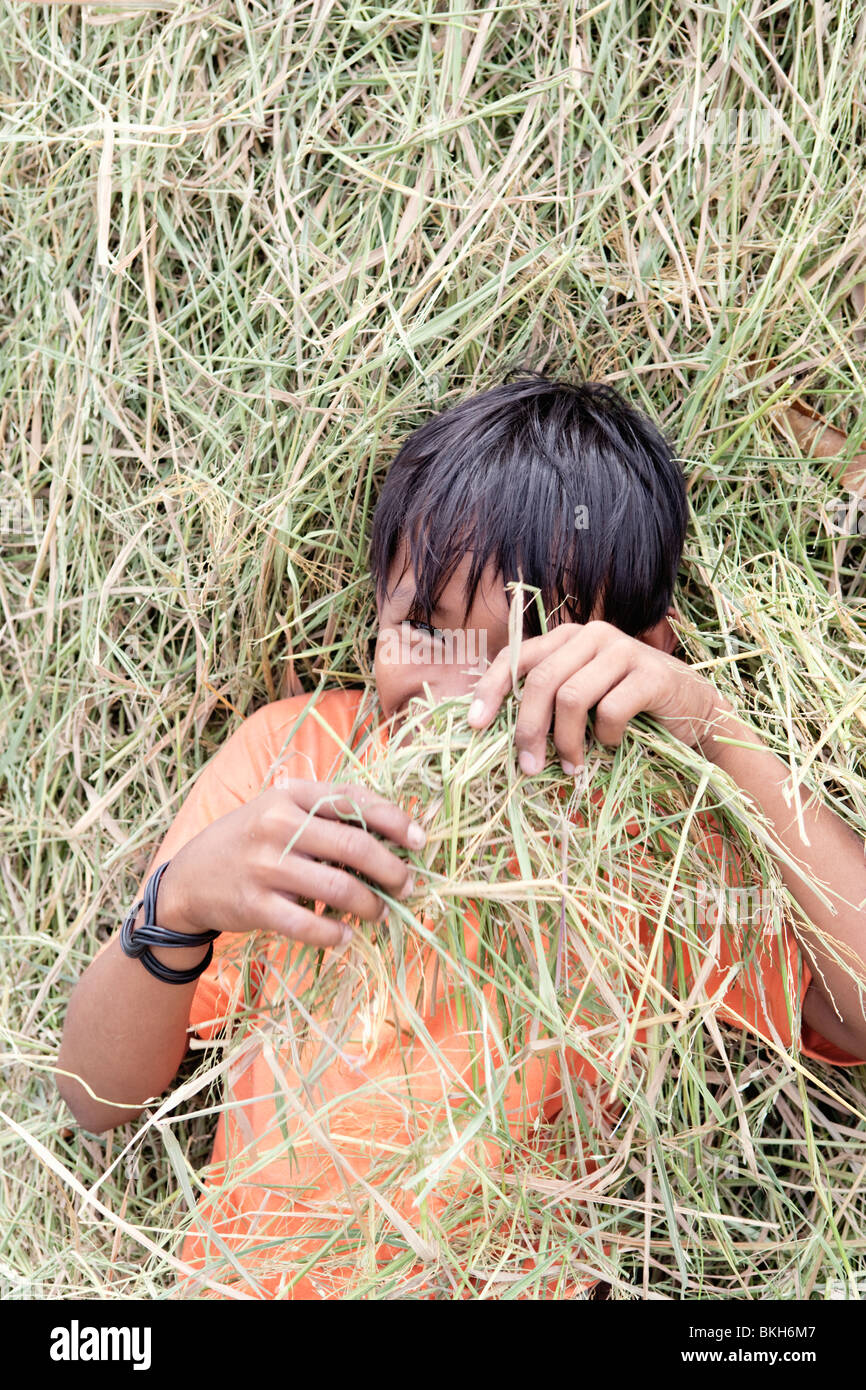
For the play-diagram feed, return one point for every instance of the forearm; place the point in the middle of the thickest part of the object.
(831, 853)
(125, 1032)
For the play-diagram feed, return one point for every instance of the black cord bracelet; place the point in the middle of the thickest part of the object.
(137, 944)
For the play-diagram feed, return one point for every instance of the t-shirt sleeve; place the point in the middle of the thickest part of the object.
(236, 773)
(771, 973)
(279, 738)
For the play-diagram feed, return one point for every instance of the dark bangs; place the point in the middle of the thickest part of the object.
(563, 485)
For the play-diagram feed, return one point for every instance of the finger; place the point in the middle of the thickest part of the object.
(340, 842)
(326, 883)
(587, 688)
(621, 704)
(541, 694)
(348, 801)
(290, 919)
(491, 688)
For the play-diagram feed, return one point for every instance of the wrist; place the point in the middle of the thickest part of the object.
(176, 957)
(171, 913)
(719, 724)
(171, 904)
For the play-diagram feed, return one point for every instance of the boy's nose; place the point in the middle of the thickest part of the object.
(446, 684)
(443, 685)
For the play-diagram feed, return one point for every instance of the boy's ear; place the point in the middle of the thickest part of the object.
(662, 635)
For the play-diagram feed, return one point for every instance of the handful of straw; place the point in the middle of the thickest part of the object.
(556, 869)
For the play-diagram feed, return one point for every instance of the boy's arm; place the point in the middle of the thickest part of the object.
(577, 667)
(125, 1031)
(830, 850)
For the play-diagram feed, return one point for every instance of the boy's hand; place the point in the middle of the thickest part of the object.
(576, 667)
(235, 875)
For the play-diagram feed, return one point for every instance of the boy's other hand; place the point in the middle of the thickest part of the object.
(577, 667)
(237, 875)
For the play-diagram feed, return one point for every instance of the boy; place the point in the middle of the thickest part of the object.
(572, 491)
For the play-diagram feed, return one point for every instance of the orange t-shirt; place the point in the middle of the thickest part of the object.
(310, 1129)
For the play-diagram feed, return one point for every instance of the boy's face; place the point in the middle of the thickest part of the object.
(451, 657)
(448, 659)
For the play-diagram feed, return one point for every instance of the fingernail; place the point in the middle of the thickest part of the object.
(346, 936)
(417, 836)
(476, 710)
(568, 768)
(408, 887)
(528, 762)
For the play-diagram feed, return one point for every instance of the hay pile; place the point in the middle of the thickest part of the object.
(245, 249)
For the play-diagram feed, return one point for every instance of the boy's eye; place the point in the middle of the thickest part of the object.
(425, 627)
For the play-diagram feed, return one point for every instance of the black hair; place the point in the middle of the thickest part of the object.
(503, 474)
